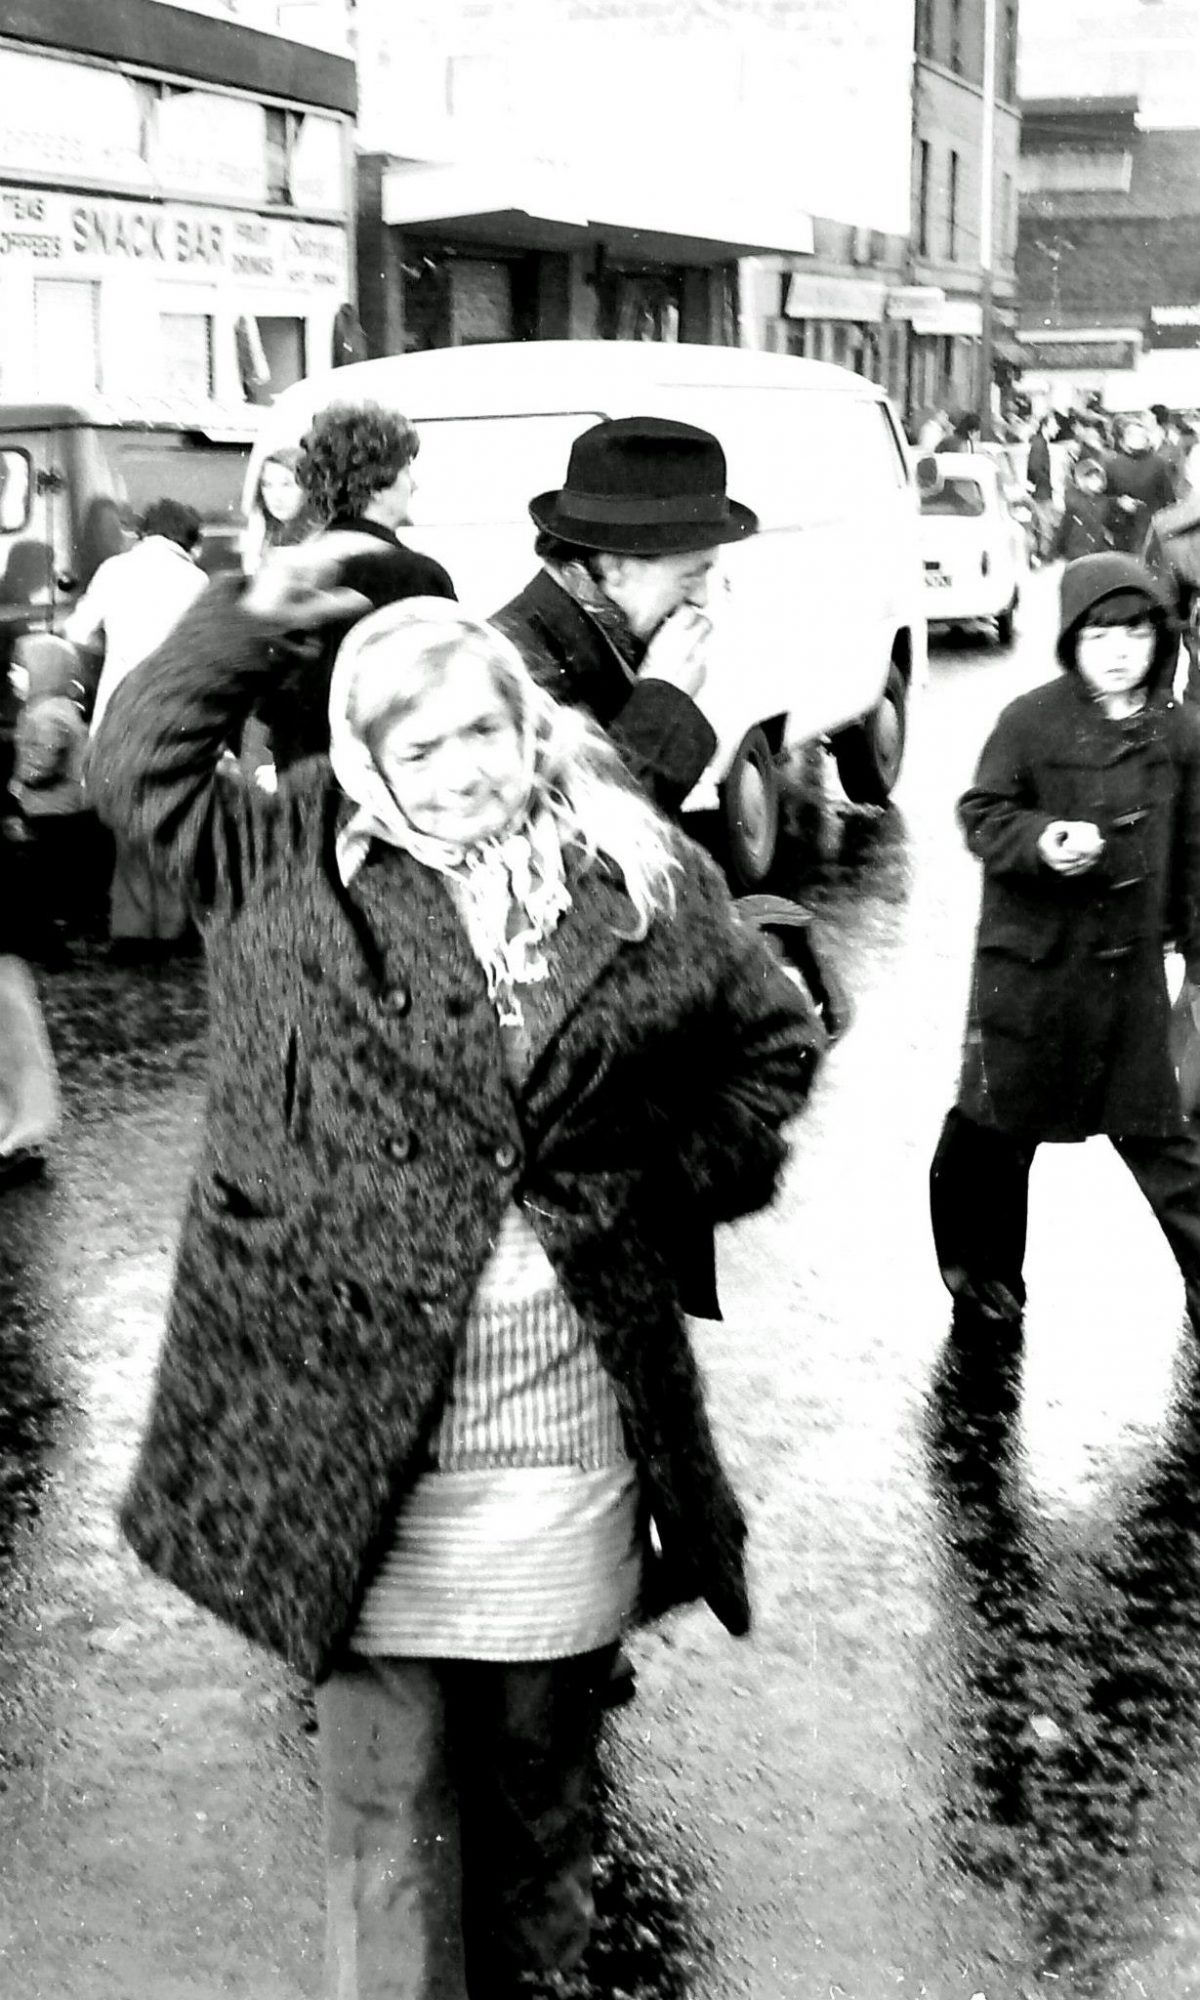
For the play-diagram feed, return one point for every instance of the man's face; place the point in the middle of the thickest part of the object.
(649, 588)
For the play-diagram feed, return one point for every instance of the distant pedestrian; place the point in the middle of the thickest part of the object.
(281, 513)
(1039, 475)
(57, 849)
(1140, 482)
(426, 1383)
(356, 467)
(1084, 527)
(126, 611)
(1085, 813)
(965, 434)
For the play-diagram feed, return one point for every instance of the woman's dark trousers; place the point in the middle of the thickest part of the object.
(979, 1203)
(457, 1822)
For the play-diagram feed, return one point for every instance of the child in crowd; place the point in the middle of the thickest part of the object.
(1085, 813)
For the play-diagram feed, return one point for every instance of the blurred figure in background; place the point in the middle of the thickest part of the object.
(125, 613)
(965, 435)
(1039, 474)
(56, 845)
(281, 513)
(1140, 483)
(1085, 528)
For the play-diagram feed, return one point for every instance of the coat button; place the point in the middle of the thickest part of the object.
(506, 1156)
(342, 1294)
(398, 999)
(400, 1147)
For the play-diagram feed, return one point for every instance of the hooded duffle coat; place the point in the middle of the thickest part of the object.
(361, 1144)
(1067, 1031)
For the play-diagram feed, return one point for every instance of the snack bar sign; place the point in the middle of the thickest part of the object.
(93, 236)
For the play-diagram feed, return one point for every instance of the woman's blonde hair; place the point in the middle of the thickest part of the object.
(575, 773)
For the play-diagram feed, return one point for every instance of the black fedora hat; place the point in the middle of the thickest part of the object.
(644, 486)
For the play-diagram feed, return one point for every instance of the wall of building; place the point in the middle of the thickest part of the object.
(167, 235)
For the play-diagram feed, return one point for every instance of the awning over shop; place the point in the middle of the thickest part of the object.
(548, 207)
(954, 318)
(808, 295)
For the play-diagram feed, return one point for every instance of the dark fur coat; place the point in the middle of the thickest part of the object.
(362, 1143)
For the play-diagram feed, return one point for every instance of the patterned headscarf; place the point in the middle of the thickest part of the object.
(510, 890)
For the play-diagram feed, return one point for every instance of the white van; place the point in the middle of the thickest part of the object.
(819, 620)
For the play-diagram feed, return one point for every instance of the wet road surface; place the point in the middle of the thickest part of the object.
(960, 1755)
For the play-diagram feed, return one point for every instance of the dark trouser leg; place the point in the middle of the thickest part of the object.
(979, 1206)
(524, 1739)
(1168, 1173)
(393, 1867)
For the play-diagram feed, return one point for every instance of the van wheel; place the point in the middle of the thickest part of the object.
(870, 753)
(1006, 623)
(749, 816)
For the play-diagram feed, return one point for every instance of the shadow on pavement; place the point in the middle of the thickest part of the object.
(1071, 1654)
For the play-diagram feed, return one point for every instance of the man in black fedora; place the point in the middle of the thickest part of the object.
(614, 620)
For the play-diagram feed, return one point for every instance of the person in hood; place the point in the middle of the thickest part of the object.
(1140, 483)
(1085, 813)
(426, 1380)
(1085, 527)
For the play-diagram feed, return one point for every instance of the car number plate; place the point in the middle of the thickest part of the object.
(937, 578)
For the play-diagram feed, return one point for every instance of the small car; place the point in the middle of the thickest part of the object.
(973, 546)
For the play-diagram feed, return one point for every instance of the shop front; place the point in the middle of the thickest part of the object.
(523, 251)
(167, 232)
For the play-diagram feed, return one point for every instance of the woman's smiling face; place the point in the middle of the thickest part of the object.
(454, 761)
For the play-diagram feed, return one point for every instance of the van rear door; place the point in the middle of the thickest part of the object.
(31, 524)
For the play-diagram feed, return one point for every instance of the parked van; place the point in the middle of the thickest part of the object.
(819, 623)
(73, 480)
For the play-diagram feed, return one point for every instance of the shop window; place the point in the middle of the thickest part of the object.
(952, 210)
(284, 350)
(66, 337)
(187, 355)
(481, 302)
(643, 306)
(924, 169)
(957, 63)
(280, 127)
(925, 28)
(1008, 53)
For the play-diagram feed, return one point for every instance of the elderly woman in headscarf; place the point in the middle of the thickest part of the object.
(427, 1421)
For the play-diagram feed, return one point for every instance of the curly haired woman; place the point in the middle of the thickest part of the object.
(356, 469)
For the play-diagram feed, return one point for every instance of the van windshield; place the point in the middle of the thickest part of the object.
(180, 465)
(955, 495)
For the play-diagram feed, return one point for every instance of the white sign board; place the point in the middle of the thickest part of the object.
(808, 105)
(89, 236)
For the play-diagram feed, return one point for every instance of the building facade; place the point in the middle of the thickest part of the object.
(628, 169)
(1109, 255)
(176, 204)
(947, 240)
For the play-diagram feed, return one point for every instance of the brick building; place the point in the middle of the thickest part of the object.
(1109, 254)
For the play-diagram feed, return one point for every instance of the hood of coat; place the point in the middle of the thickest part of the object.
(1094, 580)
(51, 666)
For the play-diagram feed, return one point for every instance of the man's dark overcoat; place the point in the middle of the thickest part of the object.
(361, 1144)
(1068, 1020)
(664, 738)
